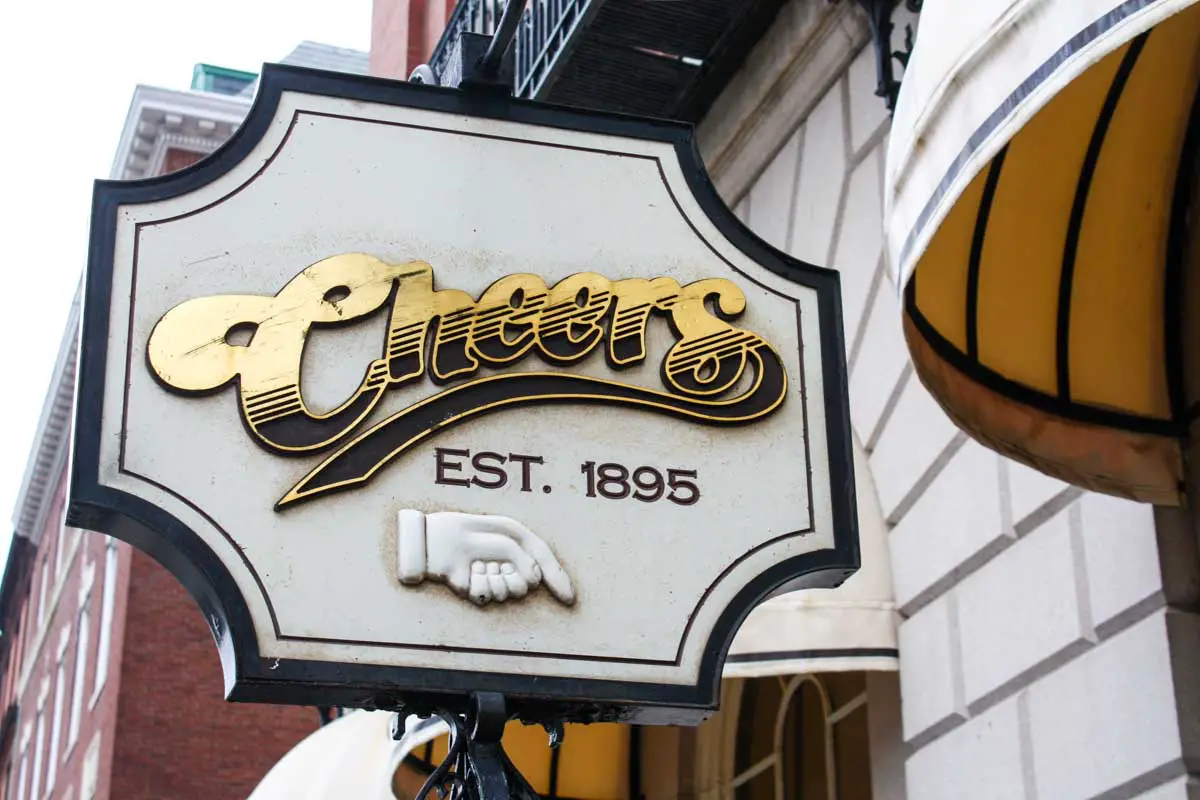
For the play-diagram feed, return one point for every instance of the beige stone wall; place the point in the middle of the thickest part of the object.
(1040, 644)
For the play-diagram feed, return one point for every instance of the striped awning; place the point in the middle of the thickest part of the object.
(1040, 178)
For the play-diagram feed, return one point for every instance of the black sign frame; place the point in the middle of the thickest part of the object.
(248, 675)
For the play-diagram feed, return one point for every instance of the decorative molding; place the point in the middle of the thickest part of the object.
(161, 118)
(810, 45)
(48, 454)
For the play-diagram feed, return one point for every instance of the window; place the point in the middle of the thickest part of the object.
(18, 791)
(42, 592)
(90, 776)
(108, 601)
(61, 544)
(66, 538)
(23, 634)
(22, 774)
(81, 651)
(801, 737)
(60, 685)
(35, 789)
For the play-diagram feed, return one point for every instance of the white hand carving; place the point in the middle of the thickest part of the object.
(481, 557)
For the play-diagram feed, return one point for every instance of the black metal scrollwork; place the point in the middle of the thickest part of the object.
(879, 17)
(476, 766)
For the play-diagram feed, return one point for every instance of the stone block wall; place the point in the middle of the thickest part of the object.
(1041, 647)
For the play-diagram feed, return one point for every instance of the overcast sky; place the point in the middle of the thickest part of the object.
(67, 72)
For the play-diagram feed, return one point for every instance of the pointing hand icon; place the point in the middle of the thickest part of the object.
(481, 557)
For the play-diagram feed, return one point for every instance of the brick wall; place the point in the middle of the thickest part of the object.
(389, 38)
(48, 637)
(156, 726)
(175, 735)
(176, 159)
(1040, 643)
(404, 33)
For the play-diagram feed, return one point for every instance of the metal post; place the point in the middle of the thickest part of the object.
(489, 66)
(477, 61)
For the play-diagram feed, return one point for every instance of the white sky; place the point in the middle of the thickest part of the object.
(67, 73)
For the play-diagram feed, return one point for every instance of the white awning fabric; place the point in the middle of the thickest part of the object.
(980, 71)
(350, 757)
(852, 627)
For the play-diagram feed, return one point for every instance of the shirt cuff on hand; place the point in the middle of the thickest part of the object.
(411, 546)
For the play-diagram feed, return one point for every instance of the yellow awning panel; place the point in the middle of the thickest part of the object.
(1040, 181)
(592, 763)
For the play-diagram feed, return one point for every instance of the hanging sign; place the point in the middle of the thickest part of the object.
(421, 394)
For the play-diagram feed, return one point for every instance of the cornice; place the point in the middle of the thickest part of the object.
(159, 118)
(48, 453)
(811, 43)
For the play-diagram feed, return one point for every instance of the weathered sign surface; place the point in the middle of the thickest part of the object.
(421, 393)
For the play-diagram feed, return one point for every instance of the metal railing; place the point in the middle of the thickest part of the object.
(543, 36)
(546, 29)
(472, 16)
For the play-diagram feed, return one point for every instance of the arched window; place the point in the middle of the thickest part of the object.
(801, 737)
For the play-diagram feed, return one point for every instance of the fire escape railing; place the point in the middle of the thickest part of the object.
(543, 36)
(553, 59)
(472, 16)
(546, 28)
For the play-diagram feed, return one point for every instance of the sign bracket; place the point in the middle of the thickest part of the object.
(476, 766)
(479, 62)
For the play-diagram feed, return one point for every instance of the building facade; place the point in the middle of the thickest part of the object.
(111, 684)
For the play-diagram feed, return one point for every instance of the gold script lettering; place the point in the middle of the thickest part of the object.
(448, 335)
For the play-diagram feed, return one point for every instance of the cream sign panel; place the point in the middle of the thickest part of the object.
(420, 394)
